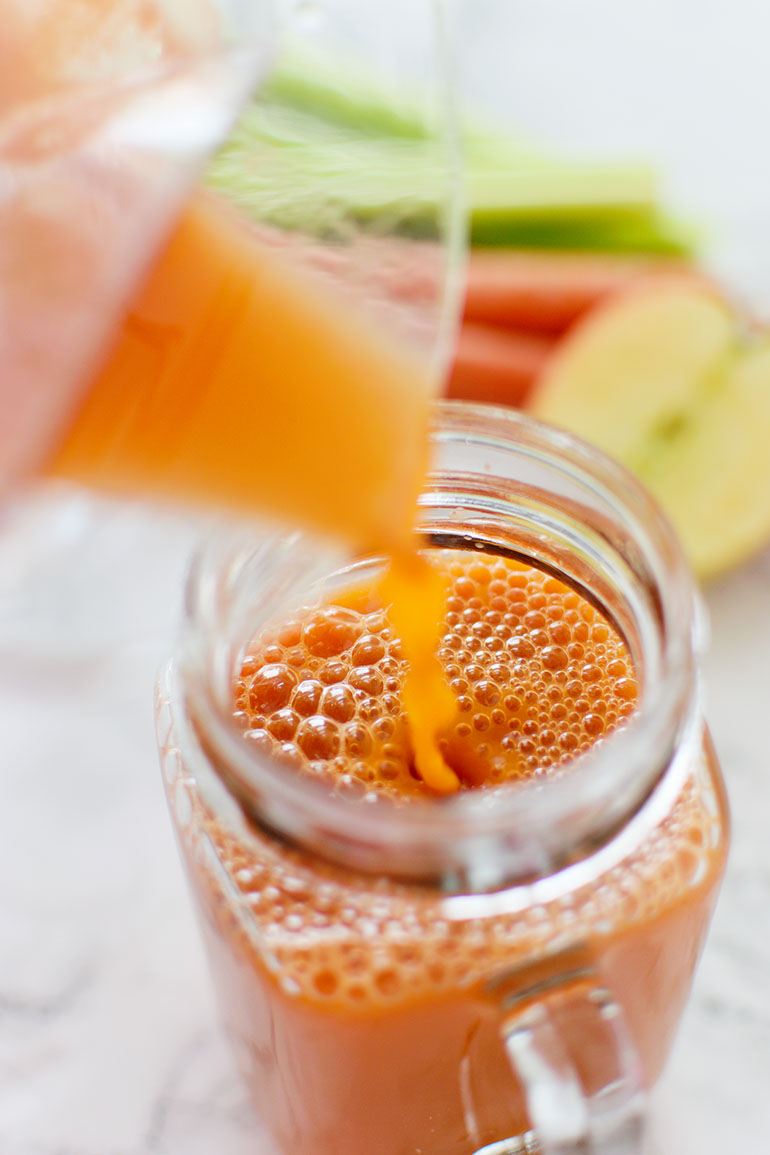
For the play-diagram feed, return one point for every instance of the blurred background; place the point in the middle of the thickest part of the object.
(634, 135)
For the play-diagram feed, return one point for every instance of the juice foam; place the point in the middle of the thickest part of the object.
(536, 671)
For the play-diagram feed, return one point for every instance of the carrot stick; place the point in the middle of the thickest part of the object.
(545, 292)
(496, 365)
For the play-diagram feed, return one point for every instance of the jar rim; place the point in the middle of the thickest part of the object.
(478, 840)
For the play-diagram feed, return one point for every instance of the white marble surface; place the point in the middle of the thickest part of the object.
(109, 1041)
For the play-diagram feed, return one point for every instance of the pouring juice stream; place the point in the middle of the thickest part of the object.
(235, 380)
(232, 381)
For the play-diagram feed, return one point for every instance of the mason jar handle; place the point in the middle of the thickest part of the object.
(570, 1048)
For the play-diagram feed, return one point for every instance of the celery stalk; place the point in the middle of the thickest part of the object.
(310, 154)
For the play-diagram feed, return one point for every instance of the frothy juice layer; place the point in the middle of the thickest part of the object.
(361, 1009)
(536, 672)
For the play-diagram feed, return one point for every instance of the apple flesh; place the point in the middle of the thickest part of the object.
(667, 380)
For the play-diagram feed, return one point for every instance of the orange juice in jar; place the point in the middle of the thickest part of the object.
(502, 968)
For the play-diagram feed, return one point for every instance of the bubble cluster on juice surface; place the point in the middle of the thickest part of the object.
(538, 675)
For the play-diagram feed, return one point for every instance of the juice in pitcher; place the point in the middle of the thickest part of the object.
(403, 970)
(242, 379)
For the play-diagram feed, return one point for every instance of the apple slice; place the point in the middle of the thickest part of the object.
(668, 381)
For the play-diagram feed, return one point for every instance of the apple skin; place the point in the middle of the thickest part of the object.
(668, 379)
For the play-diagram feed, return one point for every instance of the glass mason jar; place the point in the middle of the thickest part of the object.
(492, 973)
